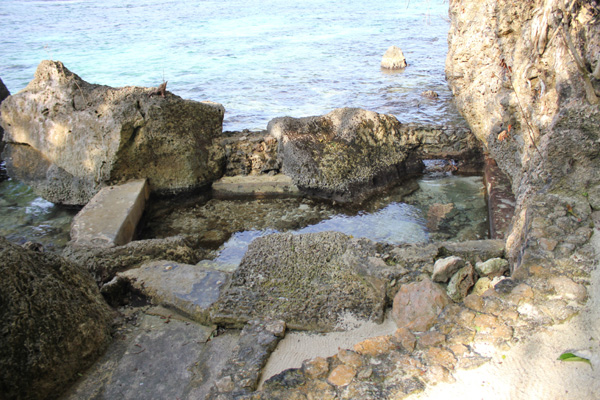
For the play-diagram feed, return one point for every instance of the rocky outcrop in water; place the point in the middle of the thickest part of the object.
(529, 86)
(393, 59)
(67, 138)
(349, 153)
(54, 323)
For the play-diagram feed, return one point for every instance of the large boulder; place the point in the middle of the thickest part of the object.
(54, 323)
(526, 77)
(67, 138)
(342, 154)
(311, 281)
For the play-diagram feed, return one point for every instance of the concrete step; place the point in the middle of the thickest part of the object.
(279, 185)
(111, 216)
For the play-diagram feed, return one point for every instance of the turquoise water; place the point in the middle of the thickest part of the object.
(260, 59)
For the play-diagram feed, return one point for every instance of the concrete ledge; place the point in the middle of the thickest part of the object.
(111, 216)
(255, 186)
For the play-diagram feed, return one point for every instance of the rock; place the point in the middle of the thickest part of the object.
(461, 282)
(4, 93)
(276, 279)
(342, 375)
(473, 250)
(160, 356)
(242, 371)
(567, 289)
(437, 213)
(104, 263)
(502, 60)
(316, 368)
(67, 138)
(492, 267)
(187, 288)
(430, 94)
(250, 153)
(260, 186)
(393, 59)
(444, 268)
(375, 346)
(406, 339)
(54, 322)
(482, 285)
(342, 154)
(501, 200)
(417, 305)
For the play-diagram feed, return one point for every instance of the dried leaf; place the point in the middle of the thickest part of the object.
(502, 136)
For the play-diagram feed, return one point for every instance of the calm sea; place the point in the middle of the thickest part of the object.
(261, 59)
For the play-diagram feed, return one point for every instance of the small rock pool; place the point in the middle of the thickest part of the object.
(434, 207)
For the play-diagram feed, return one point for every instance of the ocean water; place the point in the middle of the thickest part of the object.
(261, 59)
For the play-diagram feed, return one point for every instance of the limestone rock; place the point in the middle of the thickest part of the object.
(188, 288)
(54, 322)
(67, 138)
(461, 282)
(341, 154)
(492, 267)
(567, 289)
(104, 263)
(417, 305)
(394, 59)
(310, 281)
(444, 268)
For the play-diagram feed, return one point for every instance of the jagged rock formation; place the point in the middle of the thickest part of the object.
(54, 323)
(67, 138)
(349, 153)
(526, 77)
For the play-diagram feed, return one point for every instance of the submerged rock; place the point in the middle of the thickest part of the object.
(67, 138)
(54, 322)
(310, 281)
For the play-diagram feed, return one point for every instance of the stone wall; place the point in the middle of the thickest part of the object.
(526, 77)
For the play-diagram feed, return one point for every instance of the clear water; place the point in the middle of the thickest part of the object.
(405, 214)
(26, 217)
(260, 58)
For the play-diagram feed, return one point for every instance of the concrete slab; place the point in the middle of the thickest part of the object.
(189, 289)
(157, 357)
(111, 217)
(279, 185)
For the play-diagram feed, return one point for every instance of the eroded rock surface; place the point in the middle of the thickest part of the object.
(309, 281)
(4, 93)
(67, 138)
(54, 323)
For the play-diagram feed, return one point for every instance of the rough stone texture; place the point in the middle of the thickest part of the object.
(242, 371)
(394, 59)
(501, 200)
(67, 138)
(104, 263)
(4, 93)
(54, 323)
(260, 186)
(310, 281)
(417, 305)
(157, 355)
(190, 289)
(250, 153)
(461, 282)
(444, 268)
(111, 217)
(492, 267)
(517, 82)
(350, 152)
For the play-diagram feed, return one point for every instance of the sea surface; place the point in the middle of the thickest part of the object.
(261, 59)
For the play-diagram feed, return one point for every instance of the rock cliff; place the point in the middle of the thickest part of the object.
(526, 77)
(67, 138)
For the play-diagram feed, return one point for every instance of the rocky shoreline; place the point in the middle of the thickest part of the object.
(192, 331)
